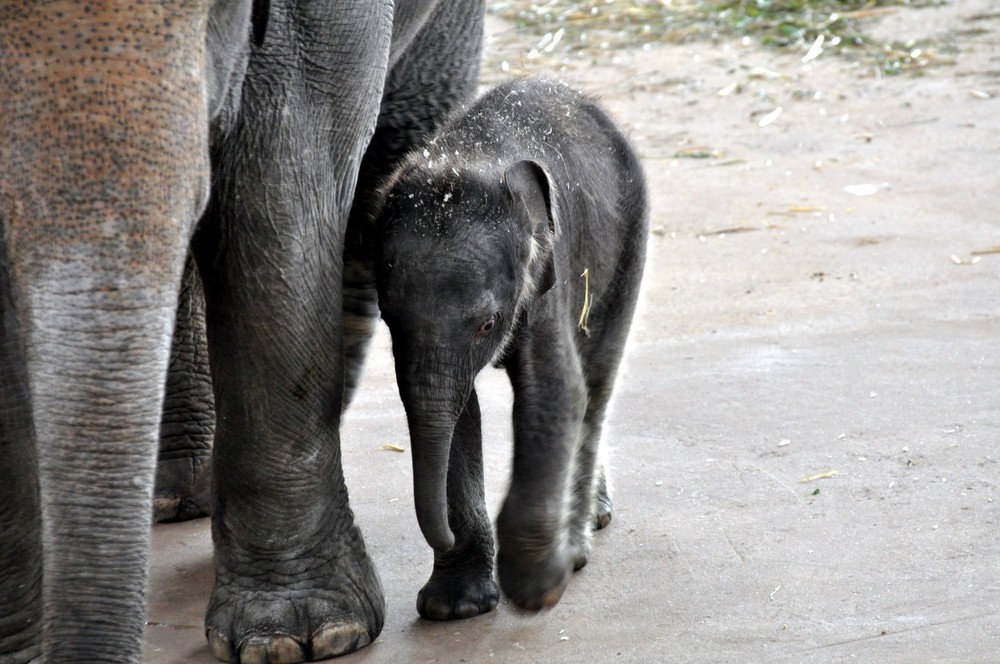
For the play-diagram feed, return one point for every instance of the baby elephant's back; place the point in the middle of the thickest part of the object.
(600, 195)
(565, 130)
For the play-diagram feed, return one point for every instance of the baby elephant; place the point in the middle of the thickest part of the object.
(516, 236)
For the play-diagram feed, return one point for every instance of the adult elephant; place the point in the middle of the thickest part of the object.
(123, 124)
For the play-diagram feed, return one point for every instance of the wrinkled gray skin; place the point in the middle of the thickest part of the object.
(486, 233)
(123, 125)
(433, 67)
(183, 486)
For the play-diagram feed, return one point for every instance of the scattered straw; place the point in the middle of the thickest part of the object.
(820, 476)
(587, 301)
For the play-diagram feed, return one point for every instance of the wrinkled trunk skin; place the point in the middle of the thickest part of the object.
(434, 396)
(430, 437)
(104, 150)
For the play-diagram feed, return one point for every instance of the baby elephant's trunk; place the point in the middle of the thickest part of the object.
(431, 448)
(432, 401)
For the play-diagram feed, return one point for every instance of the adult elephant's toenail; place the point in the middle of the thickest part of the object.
(271, 650)
(219, 646)
(338, 639)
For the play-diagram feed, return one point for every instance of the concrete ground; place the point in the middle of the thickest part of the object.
(807, 432)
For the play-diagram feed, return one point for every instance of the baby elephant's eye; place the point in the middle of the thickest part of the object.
(486, 328)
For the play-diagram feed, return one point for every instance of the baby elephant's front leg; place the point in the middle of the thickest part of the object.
(536, 554)
(461, 585)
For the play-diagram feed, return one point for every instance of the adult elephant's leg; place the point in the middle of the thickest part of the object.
(293, 579)
(461, 585)
(434, 68)
(183, 473)
(20, 518)
(105, 168)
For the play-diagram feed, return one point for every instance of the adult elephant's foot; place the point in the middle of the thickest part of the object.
(461, 585)
(183, 486)
(319, 610)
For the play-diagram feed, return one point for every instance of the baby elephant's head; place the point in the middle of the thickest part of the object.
(462, 256)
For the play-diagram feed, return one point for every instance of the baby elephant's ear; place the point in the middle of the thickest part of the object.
(529, 186)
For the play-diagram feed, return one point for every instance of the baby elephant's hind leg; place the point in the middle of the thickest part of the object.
(604, 504)
(590, 503)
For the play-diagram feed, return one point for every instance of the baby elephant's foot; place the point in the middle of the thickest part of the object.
(454, 595)
(602, 501)
(461, 585)
(535, 581)
(535, 562)
(581, 552)
(605, 506)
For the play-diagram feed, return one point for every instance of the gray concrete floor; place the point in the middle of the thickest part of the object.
(788, 329)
